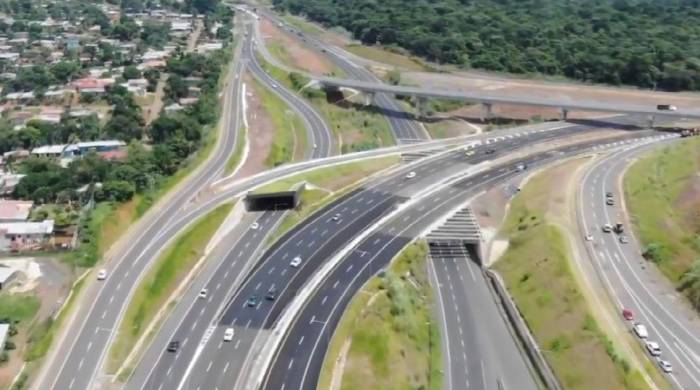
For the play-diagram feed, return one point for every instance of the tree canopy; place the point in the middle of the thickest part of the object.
(647, 43)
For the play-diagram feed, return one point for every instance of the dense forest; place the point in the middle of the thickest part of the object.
(647, 43)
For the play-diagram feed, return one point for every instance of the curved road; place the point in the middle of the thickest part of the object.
(631, 280)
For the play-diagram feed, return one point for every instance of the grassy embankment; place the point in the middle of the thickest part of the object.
(359, 127)
(391, 345)
(662, 192)
(538, 273)
(161, 281)
(325, 185)
(235, 159)
(290, 140)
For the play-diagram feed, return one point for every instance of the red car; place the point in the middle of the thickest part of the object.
(627, 313)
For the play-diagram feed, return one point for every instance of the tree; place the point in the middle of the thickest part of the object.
(690, 282)
(64, 71)
(131, 72)
(117, 190)
(123, 127)
(176, 88)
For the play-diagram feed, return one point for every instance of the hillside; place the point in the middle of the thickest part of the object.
(647, 43)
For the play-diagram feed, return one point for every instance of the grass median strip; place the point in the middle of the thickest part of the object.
(385, 339)
(662, 192)
(161, 281)
(538, 274)
(290, 140)
(235, 160)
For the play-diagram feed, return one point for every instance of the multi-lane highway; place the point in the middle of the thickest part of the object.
(632, 282)
(298, 362)
(314, 242)
(404, 128)
(78, 355)
(478, 347)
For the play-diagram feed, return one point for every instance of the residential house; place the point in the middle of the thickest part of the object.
(8, 182)
(21, 236)
(15, 210)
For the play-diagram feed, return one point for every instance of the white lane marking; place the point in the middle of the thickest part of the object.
(209, 366)
(226, 366)
(301, 340)
(323, 302)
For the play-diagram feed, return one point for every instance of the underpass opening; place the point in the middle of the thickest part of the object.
(282, 200)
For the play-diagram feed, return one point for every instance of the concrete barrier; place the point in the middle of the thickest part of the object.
(520, 327)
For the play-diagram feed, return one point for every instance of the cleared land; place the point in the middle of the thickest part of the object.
(662, 192)
(161, 281)
(357, 126)
(289, 141)
(386, 56)
(390, 344)
(537, 270)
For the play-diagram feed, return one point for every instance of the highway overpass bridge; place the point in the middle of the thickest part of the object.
(488, 99)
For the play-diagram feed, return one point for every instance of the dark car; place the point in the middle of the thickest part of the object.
(173, 346)
(610, 202)
(271, 294)
(608, 194)
(490, 151)
(252, 301)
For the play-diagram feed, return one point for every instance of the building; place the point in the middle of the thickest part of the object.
(15, 210)
(8, 182)
(7, 275)
(62, 150)
(22, 236)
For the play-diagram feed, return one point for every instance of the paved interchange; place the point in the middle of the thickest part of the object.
(205, 361)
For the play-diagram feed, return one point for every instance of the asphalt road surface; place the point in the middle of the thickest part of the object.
(81, 352)
(633, 282)
(314, 242)
(404, 128)
(479, 351)
(298, 362)
(320, 136)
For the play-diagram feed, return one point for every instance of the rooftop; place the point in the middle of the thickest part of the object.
(16, 228)
(15, 210)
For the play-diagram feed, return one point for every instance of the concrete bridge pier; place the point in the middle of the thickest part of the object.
(563, 114)
(488, 111)
(422, 105)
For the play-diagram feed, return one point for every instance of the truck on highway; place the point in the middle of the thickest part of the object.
(618, 228)
(666, 107)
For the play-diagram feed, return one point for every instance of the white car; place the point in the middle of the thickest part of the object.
(640, 330)
(296, 261)
(202, 294)
(336, 217)
(410, 175)
(589, 237)
(102, 274)
(315, 146)
(607, 228)
(653, 348)
(228, 334)
(665, 366)
(254, 226)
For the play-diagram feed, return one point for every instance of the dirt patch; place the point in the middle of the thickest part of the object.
(260, 133)
(297, 55)
(532, 89)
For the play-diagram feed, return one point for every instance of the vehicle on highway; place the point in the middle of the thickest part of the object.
(610, 202)
(271, 294)
(623, 240)
(228, 334)
(521, 167)
(653, 348)
(589, 237)
(336, 217)
(296, 261)
(627, 314)
(173, 346)
(410, 175)
(315, 146)
(666, 107)
(619, 228)
(102, 274)
(252, 301)
(608, 194)
(665, 366)
(640, 330)
(607, 228)
(274, 86)
(255, 226)
(490, 151)
(202, 294)
(470, 153)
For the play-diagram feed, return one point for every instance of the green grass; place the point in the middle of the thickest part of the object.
(235, 159)
(334, 177)
(387, 56)
(395, 342)
(359, 127)
(41, 334)
(537, 271)
(664, 206)
(18, 308)
(303, 24)
(161, 281)
(289, 143)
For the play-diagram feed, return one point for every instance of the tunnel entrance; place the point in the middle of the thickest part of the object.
(282, 200)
